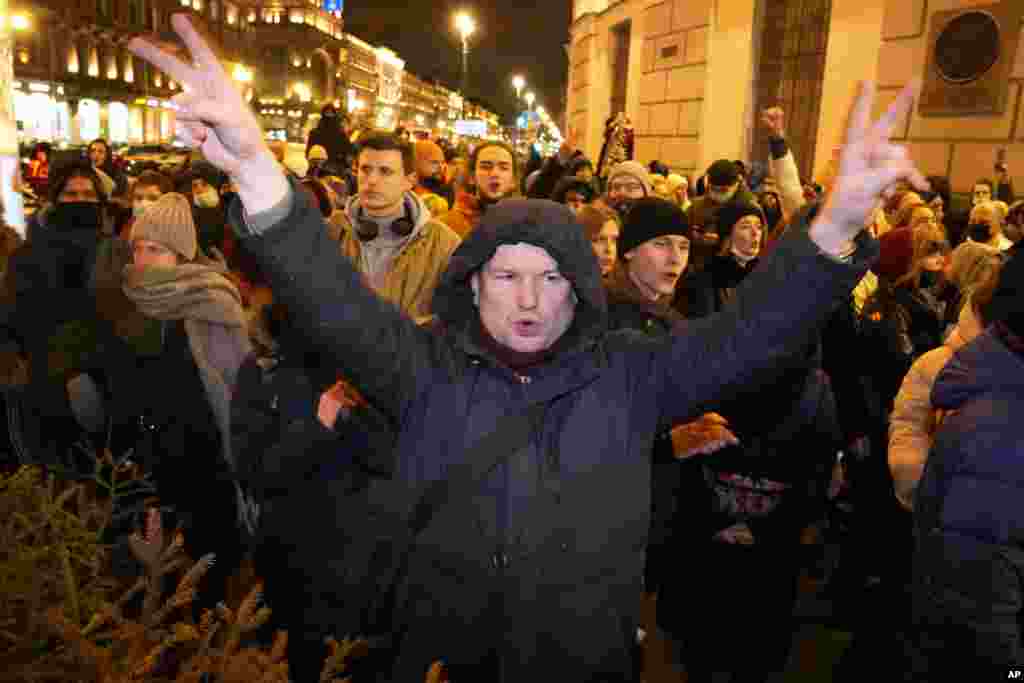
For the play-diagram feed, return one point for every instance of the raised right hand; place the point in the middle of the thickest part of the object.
(215, 118)
(774, 120)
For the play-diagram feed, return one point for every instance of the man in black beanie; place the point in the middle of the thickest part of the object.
(654, 247)
(724, 185)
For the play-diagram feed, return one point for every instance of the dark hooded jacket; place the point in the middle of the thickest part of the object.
(968, 519)
(573, 184)
(540, 571)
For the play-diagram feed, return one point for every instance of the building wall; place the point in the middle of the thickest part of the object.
(690, 90)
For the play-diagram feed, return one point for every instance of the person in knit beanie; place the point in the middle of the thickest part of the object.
(165, 235)
(184, 331)
(628, 181)
(654, 246)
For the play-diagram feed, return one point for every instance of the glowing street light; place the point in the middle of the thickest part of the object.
(465, 25)
(529, 97)
(518, 82)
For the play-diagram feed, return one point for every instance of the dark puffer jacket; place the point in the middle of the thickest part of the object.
(968, 518)
(540, 571)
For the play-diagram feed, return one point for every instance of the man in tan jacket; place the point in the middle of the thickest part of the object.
(387, 230)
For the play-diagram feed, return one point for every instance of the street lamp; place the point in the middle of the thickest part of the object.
(465, 26)
(518, 82)
(529, 97)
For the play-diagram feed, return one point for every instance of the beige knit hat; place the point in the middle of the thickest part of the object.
(169, 222)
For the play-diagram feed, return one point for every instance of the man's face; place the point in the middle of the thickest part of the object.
(430, 165)
(625, 187)
(495, 173)
(97, 154)
(382, 181)
(746, 237)
(982, 193)
(78, 190)
(575, 201)
(525, 302)
(656, 265)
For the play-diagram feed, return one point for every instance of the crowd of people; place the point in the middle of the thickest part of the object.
(486, 408)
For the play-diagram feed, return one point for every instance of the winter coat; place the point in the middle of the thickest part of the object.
(49, 312)
(542, 567)
(674, 483)
(968, 559)
(417, 267)
(913, 421)
(703, 213)
(332, 138)
(896, 327)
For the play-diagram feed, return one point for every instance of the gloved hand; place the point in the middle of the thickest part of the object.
(707, 434)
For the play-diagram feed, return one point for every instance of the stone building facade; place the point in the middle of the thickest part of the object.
(692, 76)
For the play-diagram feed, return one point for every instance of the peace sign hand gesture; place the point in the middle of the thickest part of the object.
(214, 117)
(868, 164)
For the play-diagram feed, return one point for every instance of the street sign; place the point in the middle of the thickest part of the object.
(471, 127)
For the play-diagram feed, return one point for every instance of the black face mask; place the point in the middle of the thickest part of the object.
(929, 279)
(77, 216)
(979, 232)
(433, 183)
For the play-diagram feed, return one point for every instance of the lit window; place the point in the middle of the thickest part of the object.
(186, 3)
(72, 60)
(232, 13)
(197, 5)
(158, 80)
(112, 67)
(296, 16)
(94, 63)
(129, 69)
(23, 55)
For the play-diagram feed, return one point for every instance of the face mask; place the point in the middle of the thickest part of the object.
(979, 232)
(432, 183)
(77, 216)
(139, 208)
(722, 197)
(207, 199)
(929, 279)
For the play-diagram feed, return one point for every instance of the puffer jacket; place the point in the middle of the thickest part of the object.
(913, 421)
(968, 558)
(540, 571)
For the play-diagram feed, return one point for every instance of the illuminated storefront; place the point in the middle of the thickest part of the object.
(390, 68)
(89, 119)
(117, 122)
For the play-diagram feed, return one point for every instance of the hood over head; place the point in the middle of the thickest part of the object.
(541, 223)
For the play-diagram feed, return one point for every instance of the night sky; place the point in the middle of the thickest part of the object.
(516, 36)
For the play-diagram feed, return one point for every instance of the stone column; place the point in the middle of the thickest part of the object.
(854, 42)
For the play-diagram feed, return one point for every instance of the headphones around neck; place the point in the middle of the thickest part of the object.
(367, 228)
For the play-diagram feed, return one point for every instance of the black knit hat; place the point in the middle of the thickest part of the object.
(723, 172)
(1007, 304)
(731, 213)
(649, 218)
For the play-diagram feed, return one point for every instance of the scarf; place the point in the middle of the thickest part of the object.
(211, 308)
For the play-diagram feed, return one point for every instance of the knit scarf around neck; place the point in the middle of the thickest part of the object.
(211, 308)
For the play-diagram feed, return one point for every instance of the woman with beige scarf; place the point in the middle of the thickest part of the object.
(185, 337)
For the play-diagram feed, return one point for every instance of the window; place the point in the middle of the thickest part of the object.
(103, 10)
(215, 10)
(94, 63)
(129, 69)
(134, 12)
(296, 16)
(73, 66)
(231, 14)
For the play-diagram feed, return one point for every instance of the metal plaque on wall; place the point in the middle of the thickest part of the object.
(971, 53)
